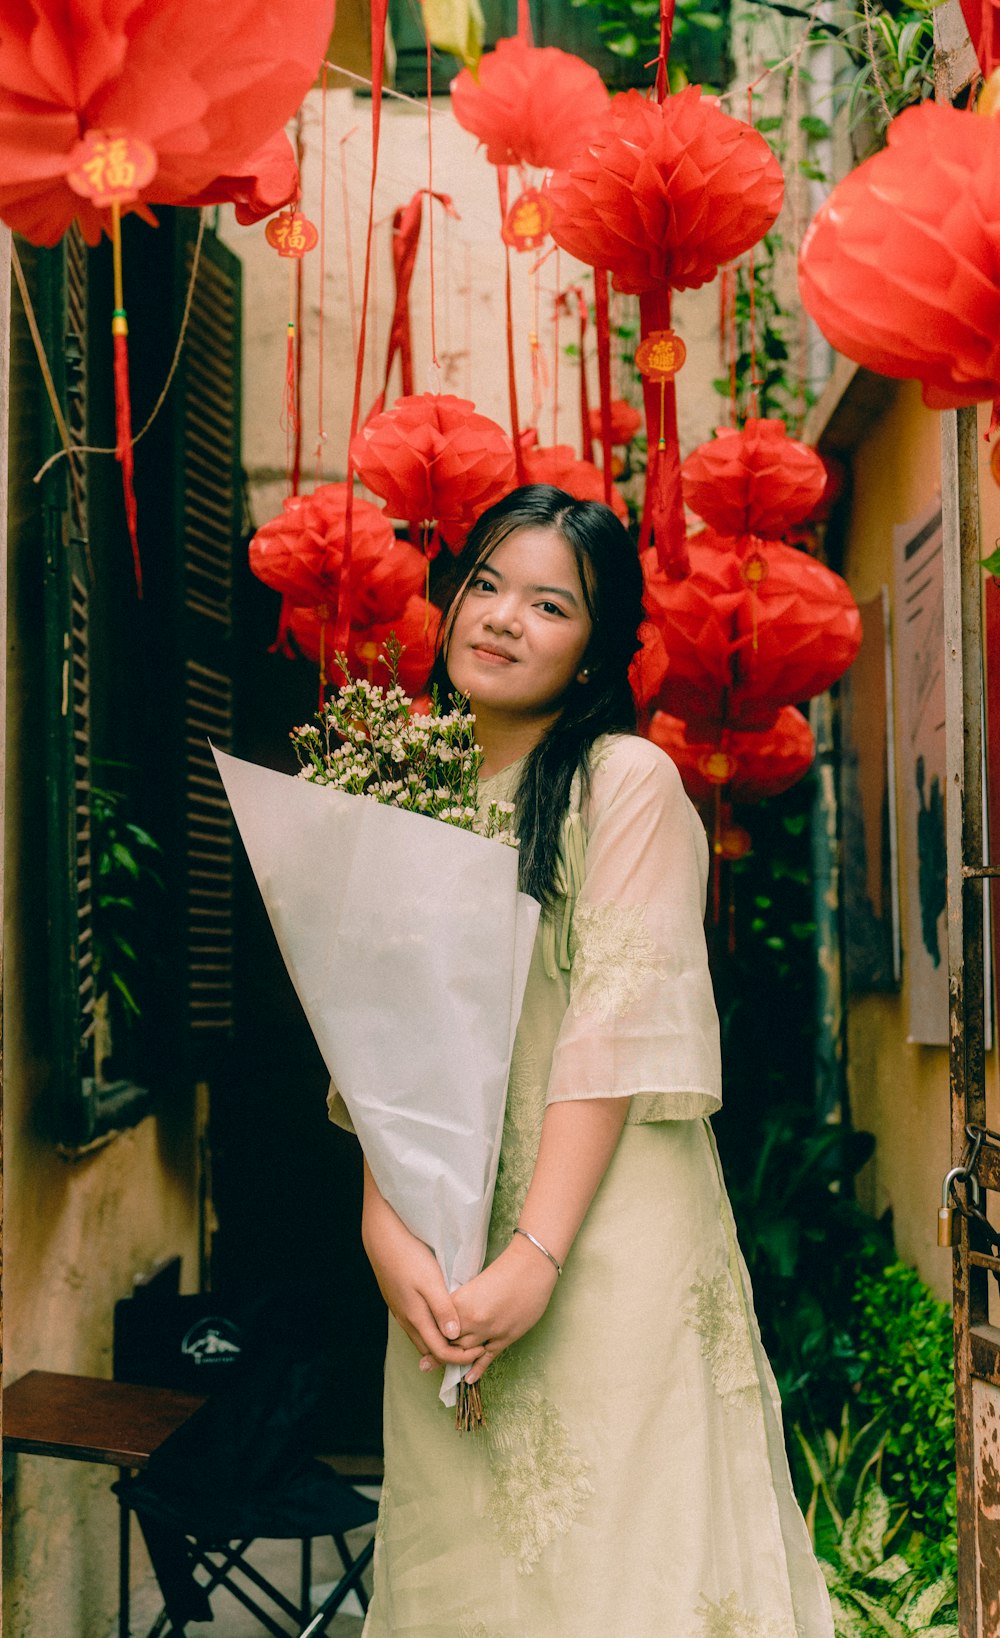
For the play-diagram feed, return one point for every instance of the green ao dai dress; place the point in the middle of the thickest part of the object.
(631, 1479)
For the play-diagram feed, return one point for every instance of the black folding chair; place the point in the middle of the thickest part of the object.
(238, 1470)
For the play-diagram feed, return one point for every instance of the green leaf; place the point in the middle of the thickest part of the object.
(816, 129)
(992, 563)
(626, 46)
(861, 1543)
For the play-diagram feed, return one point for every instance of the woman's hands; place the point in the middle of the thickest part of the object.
(412, 1283)
(502, 1303)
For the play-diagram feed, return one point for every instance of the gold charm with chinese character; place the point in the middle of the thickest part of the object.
(528, 221)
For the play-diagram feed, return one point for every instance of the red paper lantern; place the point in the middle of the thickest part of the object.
(755, 481)
(899, 266)
(529, 105)
(207, 88)
(434, 461)
(666, 192)
(560, 466)
(625, 421)
(416, 628)
(759, 764)
(805, 620)
(299, 553)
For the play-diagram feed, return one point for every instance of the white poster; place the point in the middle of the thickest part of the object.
(919, 646)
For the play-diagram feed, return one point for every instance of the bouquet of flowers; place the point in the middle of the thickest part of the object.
(408, 944)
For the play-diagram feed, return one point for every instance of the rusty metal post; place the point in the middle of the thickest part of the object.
(964, 824)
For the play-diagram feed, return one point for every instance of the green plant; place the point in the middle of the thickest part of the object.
(905, 1346)
(631, 29)
(891, 49)
(122, 855)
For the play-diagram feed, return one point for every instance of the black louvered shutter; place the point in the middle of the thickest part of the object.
(190, 524)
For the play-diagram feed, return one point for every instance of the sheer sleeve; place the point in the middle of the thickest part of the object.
(641, 1021)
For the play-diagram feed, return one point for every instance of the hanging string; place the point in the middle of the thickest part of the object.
(288, 397)
(435, 366)
(379, 18)
(68, 447)
(320, 425)
(524, 30)
(557, 310)
(515, 427)
(604, 375)
(872, 58)
(348, 252)
(468, 320)
(539, 380)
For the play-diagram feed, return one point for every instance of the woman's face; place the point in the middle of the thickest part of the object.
(518, 640)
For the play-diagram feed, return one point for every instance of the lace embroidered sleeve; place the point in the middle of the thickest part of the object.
(641, 1021)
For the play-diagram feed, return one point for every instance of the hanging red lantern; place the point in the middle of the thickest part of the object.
(299, 553)
(755, 481)
(208, 89)
(435, 462)
(416, 628)
(291, 234)
(559, 465)
(898, 267)
(752, 766)
(666, 192)
(625, 421)
(806, 624)
(529, 105)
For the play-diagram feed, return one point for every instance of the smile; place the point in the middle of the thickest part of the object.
(493, 656)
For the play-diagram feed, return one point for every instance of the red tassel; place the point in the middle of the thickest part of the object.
(123, 437)
(515, 425)
(664, 503)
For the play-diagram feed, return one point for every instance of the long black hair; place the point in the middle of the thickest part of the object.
(608, 565)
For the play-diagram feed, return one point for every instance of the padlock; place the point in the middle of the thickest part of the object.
(946, 1215)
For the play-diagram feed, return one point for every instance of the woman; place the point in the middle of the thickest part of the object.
(630, 1478)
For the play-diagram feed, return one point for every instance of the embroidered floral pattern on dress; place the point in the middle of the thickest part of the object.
(716, 1313)
(471, 1628)
(613, 959)
(729, 1619)
(540, 1481)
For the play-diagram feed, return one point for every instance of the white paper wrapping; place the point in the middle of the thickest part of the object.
(408, 945)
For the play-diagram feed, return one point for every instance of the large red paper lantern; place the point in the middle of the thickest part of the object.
(300, 553)
(559, 465)
(748, 766)
(899, 267)
(416, 628)
(207, 88)
(666, 192)
(801, 616)
(435, 462)
(529, 105)
(755, 481)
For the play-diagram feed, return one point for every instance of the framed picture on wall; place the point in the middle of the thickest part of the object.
(868, 809)
(918, 630)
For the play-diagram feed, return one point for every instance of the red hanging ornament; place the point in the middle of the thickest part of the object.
(665, 193)
(625, 421)
(291, 234)
(529, 105)
(898, 267)
(434, 460)
(755, 481)
(527, 222)
(751, 766)
(208, 89)
(416, 628)
(807, 624)
(300, 554)
(561, 467)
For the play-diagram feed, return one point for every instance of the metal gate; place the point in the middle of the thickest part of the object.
(975, 1150)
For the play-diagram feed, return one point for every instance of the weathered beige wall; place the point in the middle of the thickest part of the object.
(899, 1090)
(470, 312)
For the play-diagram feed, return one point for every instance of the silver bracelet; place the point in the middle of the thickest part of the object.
(543, 1249)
